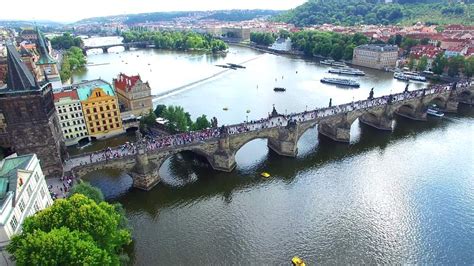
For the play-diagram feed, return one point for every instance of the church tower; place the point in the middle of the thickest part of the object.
(31, 122)
(48, 66)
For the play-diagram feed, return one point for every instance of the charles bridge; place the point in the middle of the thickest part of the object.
(282, 132)
(127, 46)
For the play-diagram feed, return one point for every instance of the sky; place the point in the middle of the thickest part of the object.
(70, 11)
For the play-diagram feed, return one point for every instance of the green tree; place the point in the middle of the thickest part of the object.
(422, 63)
(201, 123)
(66, 41)
(177, 121)
(439, 64)
(454, 65)
(94, 223)
(411, 63)
(159, 110)
(87, 190)
(469, 67)
(60, 246)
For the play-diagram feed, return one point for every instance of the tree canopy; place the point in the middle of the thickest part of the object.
(73, 59)
(66, 41)
(351, 12)
(88, 190)
(177, 40)
(73, 231)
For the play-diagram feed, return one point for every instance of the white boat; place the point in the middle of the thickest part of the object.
(343, 82)
(347, 71)
(400, 76)
(434, 111)
(331, 62)
(414, 76)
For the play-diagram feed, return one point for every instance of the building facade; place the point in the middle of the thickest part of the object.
(133, 94)
(23, 192)
(100, 108)
(48, 66)
(30, 117)
(70, 115)
(375, 56)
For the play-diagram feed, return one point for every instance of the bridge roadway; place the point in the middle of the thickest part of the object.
(127, 46)
(143, 159)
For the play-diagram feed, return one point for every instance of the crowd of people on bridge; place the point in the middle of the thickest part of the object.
(273, 120)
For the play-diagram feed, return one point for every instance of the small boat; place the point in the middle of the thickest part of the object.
(343, 82)
(330, 62)
(235, 65)
(347, 71)
(265, 174)
(248, 111)
(279, 89)
(434, 111)
(225, 108)
(297, 261)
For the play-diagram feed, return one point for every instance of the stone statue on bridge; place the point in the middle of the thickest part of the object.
(371, 94)
(330, 102)
(406, 88)
(274, 112)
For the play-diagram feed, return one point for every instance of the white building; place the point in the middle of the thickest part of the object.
(281, 45)
(375, 56)
(71, 118)
(23, 192)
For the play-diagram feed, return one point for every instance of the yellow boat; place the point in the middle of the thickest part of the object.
(297, 261)
(265, 174)
(225, 108)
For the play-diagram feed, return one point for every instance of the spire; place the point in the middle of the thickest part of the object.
(19, 78)
(45, 58)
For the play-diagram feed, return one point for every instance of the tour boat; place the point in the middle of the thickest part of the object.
(434, 111)
(400, 76)
(331, 62)
(347, 71)
(414, 76)
(343, 82)
(265, 174)
(279, 89)
(297, 261)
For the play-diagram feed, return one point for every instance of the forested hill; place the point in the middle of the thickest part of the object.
(350, 12)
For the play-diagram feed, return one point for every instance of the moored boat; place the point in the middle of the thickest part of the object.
(342, 82)
(400, 76)
(331, 62)
(347, 71)
(434, 111)
(414, 76)
(279, 89)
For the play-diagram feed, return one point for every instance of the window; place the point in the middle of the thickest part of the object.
(35, 206)
(43, 193)
(96, 117)
(95, 110)
(117, 125)
(105, 127)
(36, 177)
(88, 111)
(29, 191)
(22, 205)
(101, 109)
(13, 223)
(110, 120)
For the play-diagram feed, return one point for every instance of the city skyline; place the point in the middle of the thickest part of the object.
(89, 8)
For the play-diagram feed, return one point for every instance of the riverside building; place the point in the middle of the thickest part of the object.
(23, 192)
(133, 94)
(375, 56)
(100, 108)
(71, 119)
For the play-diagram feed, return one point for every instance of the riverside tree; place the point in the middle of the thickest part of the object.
(73, 231)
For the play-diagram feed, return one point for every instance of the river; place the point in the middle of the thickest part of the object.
(400, 197)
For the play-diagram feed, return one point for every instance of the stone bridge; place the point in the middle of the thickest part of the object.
(127, 46)
(282, 132)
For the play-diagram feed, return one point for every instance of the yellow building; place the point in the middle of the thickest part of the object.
(100, 108)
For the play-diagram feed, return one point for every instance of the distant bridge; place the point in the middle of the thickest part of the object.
(220, 145)
(127, 46)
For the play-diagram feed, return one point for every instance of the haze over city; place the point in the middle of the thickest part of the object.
(90, 8)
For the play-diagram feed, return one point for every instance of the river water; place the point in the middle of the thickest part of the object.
(400, 197)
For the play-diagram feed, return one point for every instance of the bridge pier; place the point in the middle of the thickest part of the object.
(382, 121)
(223, 159)
(337, 129)
(126, 47)
(287, 142)
(105, 50)
(451, 106)
(145, 173)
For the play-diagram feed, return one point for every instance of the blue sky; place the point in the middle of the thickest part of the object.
(69, 11)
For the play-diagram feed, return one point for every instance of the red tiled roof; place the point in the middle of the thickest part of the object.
(63, 94)
(124, 82)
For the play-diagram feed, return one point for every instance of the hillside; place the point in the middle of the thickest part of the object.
(221, 15)
(350, 12)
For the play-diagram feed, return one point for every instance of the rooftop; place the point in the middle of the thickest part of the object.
(378, 47)
(124, 82)
(8, 172)
(85, 88)
(72, 94)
